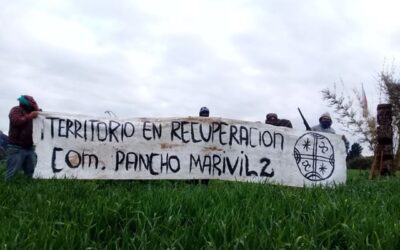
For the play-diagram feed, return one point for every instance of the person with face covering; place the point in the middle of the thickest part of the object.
(20, 150)
(325, 123)
(204, 112)
(272, 119)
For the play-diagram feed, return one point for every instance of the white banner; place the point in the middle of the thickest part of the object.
(83, 147)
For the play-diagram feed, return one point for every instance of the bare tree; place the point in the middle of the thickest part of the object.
(355, 120)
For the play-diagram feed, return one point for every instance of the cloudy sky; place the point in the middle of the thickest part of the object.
(152, 58)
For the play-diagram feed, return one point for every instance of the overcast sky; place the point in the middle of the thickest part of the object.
(242, 59)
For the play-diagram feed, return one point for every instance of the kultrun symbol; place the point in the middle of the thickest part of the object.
(323, 148)
(307, 144)
(315, 156)
(306, 165)
(322, 168)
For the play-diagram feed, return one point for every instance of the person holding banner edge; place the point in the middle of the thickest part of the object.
(20, 150)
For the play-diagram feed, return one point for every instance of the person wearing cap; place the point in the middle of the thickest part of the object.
(20, 150)
(272, 119)
(325, 123)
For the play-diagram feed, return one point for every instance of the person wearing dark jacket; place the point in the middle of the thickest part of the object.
(20, 150)
(272, 119)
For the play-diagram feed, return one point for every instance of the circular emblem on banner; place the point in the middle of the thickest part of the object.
(315, 156)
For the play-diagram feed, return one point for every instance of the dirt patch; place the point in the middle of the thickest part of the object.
(169, 146)
(211, 149)
(74, 159)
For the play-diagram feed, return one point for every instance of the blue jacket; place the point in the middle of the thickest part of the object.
(3, 140)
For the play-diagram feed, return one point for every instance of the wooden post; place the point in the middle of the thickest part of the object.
(383, 153)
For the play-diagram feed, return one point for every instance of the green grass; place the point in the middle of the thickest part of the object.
(71, 214)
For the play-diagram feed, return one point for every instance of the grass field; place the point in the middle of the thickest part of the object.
(70, 214)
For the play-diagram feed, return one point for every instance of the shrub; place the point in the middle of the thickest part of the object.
(360, 163)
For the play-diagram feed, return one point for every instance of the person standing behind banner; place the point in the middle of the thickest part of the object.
(204, 112)
(272, 119)
(20, 150)
(325, 123)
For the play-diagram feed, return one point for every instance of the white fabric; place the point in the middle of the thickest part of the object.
(83, 147)
(319, 128)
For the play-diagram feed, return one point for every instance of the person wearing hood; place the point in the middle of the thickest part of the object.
(325, 123)
(272, 119)
(204, 112)
(20, 150)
